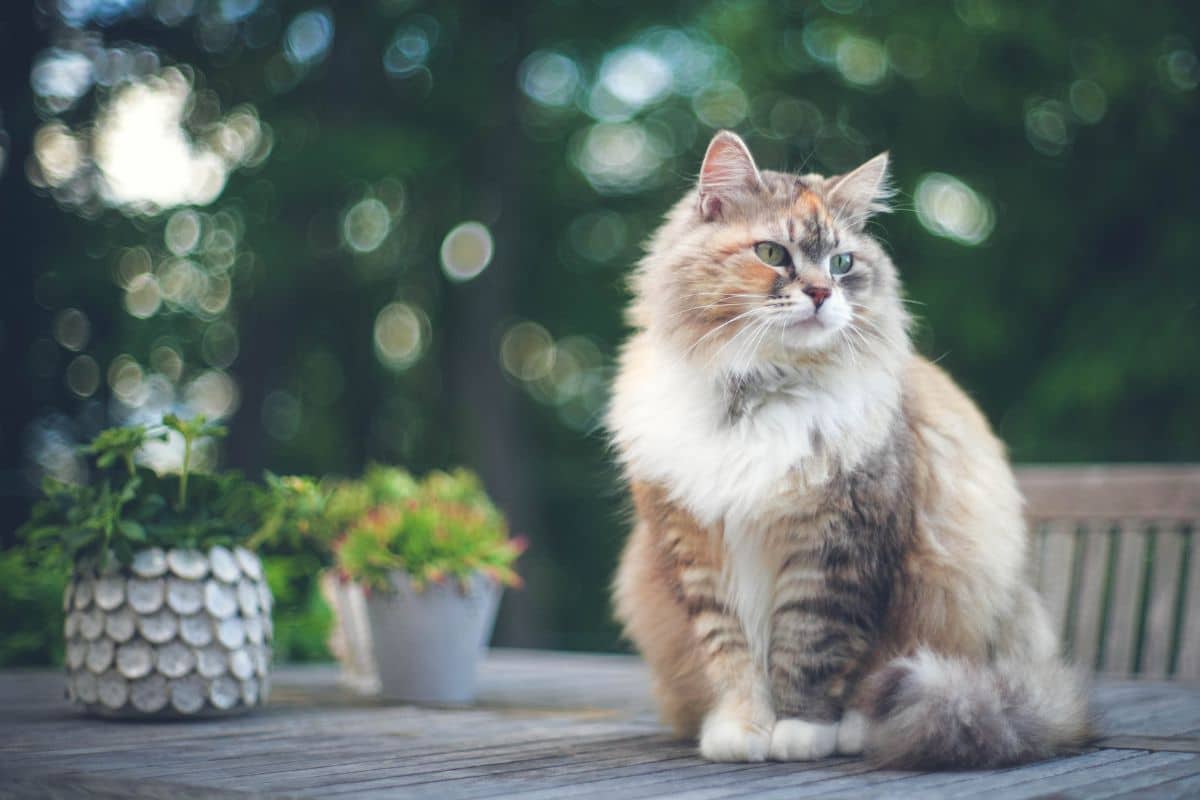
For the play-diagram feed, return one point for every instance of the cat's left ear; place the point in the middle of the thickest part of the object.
(862, 192)
(727, 172)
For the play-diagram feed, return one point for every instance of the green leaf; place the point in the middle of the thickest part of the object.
(132, 531)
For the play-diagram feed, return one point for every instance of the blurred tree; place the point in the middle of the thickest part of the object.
(272, 229)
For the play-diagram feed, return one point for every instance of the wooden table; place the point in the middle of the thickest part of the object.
(547, 725)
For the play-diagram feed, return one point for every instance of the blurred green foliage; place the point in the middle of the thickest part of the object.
(1047, 151)
(31, 592)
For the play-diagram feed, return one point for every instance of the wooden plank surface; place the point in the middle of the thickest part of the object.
(547, 725)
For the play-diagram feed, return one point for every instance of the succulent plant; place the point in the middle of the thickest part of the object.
(442, 527)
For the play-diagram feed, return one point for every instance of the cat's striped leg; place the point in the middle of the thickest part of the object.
(737, 725)
(821, 632)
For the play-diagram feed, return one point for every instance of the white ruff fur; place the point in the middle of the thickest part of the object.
(670, 422)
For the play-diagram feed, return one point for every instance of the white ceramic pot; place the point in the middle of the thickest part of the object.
(427, 644)
(174, 633)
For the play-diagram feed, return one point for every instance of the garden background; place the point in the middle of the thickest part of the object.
(397, 231)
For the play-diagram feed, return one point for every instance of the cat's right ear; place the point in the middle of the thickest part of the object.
(728, 170)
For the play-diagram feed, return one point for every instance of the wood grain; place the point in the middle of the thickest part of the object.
(547, 725)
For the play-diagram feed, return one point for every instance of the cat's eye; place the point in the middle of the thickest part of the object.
(772, 254)
(840, 263)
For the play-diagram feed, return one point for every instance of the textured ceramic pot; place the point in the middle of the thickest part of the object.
(174, 633)
(427, 643)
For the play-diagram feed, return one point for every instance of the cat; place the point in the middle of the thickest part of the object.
(828, 553)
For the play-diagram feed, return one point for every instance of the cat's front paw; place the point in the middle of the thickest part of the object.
(730, 738)
(801, 740)
(852, 730)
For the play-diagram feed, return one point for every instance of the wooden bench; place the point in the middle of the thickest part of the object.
(1117, 558)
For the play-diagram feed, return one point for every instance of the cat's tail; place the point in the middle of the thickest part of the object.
(934, 712)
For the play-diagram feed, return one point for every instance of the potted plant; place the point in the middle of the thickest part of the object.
(309, 516)
(428, 560)
(166, 612)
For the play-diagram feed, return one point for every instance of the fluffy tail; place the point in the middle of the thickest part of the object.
(934, 712)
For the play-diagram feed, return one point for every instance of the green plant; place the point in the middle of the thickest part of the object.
(191, 429)
(441, 527)
(298, 518)
(127, 508)
(121, 443)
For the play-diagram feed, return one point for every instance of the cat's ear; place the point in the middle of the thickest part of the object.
(861, 192)
(728, 170)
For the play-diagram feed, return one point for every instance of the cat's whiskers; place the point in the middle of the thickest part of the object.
(723, 325)
(743, 331)
(764, 326)
(708, 306)
(749, 330)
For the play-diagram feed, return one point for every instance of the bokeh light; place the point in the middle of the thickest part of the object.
(220, 345)
(308, 37)
(212, 393)
(59, 153)
(570, 374)
(861, 60)
(167, 361)
(366, 225)
(60, 77)
(1046, 126)
(146, 157)
(182, 232)
(527, 351)
(1182, 69)
(635, 76)
(83, 376)
(549, 77)
(126, 379)
(134, 261)
(142, 296)
(235, 10)
(949, 208)
(618, 157)
(401, 335)
(466, 251)
(407, 52)
(72, 329)
(721, 105)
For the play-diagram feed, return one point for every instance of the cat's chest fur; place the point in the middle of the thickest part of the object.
(673, 425)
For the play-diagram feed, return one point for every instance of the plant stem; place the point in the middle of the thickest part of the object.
(129, 463)
(183, 473)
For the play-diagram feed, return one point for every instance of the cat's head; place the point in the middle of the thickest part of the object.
(756, 268)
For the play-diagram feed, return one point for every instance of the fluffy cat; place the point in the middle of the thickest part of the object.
(829, 554)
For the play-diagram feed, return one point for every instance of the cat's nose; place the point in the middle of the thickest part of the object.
(819, 294)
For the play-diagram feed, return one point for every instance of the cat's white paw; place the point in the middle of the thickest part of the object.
(801, 740)
(852, 730)
(728, 738)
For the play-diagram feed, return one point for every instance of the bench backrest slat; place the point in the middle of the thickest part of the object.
(1088, 624)
(1116, 556)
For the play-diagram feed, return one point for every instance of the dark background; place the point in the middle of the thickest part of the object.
(1046, 156)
